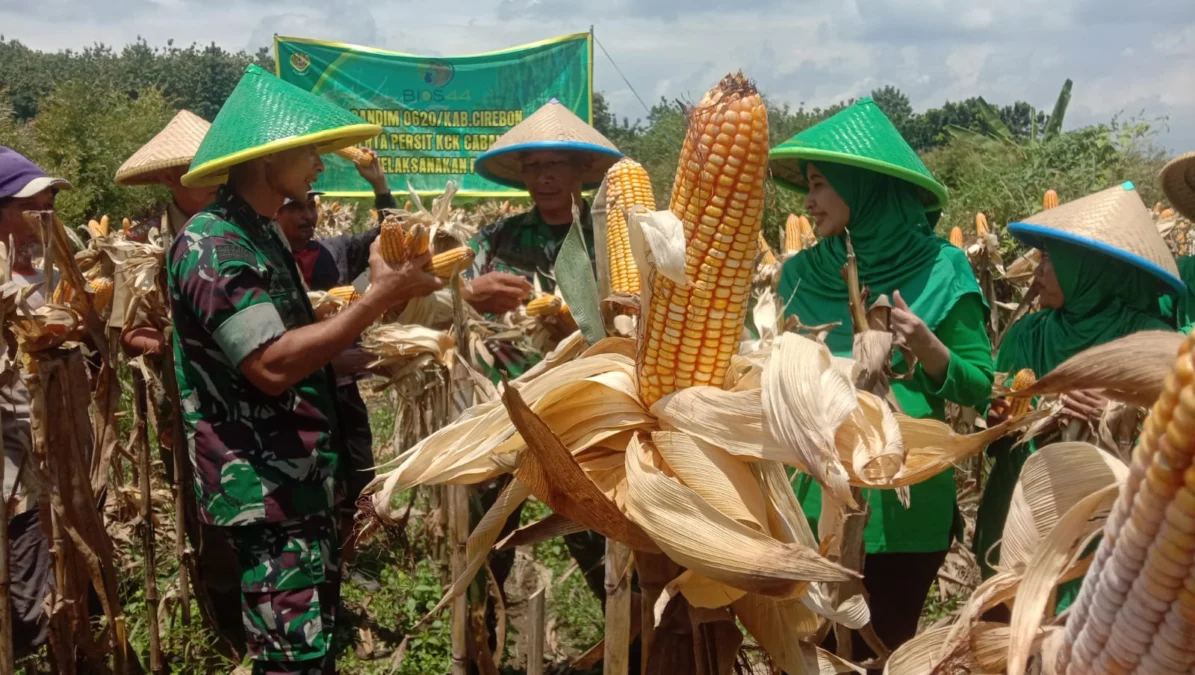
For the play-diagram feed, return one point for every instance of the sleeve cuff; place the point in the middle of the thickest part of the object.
(247, 330)
(952, 376)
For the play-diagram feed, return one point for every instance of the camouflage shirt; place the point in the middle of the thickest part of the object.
(524, 244)
(234, 288)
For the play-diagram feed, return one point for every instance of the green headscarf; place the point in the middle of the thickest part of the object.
(896, 250)
(1103, 299)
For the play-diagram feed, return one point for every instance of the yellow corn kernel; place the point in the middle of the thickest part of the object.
(1023, 379)
(956, 236)
(769, 258)
(420, 240)
(1050, 200)
(1167, 213)
(981, 225)
(730, 122)
(627, 186)
(356, 155)
(544, 305)
(392, 238)
(445, 264)
(808, 234)
(792, 234)
(346, 294)
(101, 289)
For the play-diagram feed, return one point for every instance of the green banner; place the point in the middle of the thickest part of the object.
(438, 113)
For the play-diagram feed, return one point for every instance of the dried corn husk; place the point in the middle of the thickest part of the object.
(1132, 369)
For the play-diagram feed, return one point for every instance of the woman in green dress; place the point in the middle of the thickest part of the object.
(862, 177)
(1102, 267)
(1178, 182)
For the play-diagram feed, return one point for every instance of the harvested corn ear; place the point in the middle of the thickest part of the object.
(544, 305)
(956, 237)
(627, 186)
(1023, 379)
(691, 331)
(1050, 200)
(445, 264)
(981, 225)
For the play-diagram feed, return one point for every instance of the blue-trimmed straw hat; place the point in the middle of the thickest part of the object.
(1114, 222)
(552, 127)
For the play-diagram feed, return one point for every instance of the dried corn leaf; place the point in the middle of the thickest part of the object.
(786, 519)
(724, 482)
(481, 540)
(1052, 481)
(1046, 568)
(780, 626)
(463, 451)
(549, 527)
(555, 478)
(702, 539)
(805, 399)
(701, 591)
(931, 446)
(394, 344)
(1132, 369)
(871, 435)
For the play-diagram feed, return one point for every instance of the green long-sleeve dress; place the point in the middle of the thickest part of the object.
(896, 250)
(1104, 299)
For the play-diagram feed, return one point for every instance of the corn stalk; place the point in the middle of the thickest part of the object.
(150, 565)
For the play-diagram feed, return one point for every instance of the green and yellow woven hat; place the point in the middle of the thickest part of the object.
(860, 136)
(265, 115)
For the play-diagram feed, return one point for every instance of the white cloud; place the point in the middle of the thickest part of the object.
(814, 52)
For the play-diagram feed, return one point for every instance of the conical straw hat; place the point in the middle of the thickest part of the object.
(861, 136)
(1114, 222)
(1178, 181)
(263, 116)
(173, 146)
(552, 127)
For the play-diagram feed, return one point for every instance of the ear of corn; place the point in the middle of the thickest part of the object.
(1023, 379)
(105, 224)
(1050, 200)
(356, 156)
(792, 234)
(393, 239)
(420, 239)
(346, 294)
(627, 186)
(93, 226)
(458, 259)
(102, 289)
(691, 332)
(956, 236)
(1167, 213)
(1158, 208)
(769, 258)
(63, 293)
(544, 305)
(1136, 612)
(981, 225)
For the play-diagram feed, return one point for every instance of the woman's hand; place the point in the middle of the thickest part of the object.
(998, 412)
(910, 331)
(1084, 405)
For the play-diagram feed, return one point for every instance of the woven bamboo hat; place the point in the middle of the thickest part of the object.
(552, 127)
(172, 147)
(263, 116)
(861, 136)
(1178, 181)
(1114, 222)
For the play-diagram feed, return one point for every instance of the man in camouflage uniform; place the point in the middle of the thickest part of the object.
(554, 155)
(252, 365)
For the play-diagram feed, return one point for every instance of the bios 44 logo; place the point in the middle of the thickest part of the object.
(433, 76)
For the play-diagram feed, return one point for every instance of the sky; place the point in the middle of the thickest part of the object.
(1136, 59)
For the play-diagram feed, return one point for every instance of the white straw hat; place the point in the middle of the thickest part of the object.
(552, 127)
(1178, 182)
(172, 147)
(1114, 222)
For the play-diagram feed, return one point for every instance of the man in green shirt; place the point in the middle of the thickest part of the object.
(252, 364)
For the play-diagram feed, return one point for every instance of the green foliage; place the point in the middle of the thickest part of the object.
(195, 78)
(83, 133)
(1008, 182)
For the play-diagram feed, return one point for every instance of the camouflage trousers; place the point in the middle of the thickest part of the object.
(290, 588)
